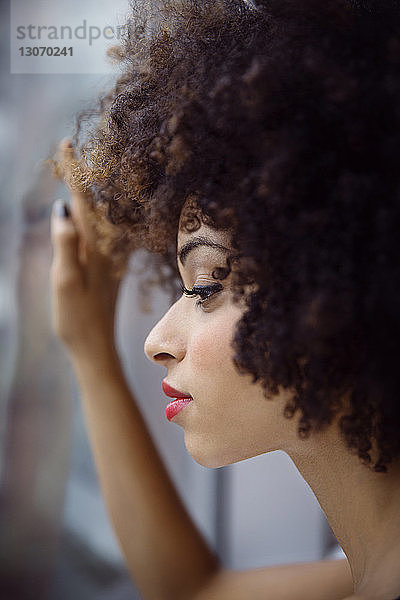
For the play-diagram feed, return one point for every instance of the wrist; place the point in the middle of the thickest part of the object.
(98, 359)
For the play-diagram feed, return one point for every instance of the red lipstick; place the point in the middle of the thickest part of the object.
(181, 400)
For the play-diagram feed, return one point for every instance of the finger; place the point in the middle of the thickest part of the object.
(67, 270)
(65, 157)
(79, 200)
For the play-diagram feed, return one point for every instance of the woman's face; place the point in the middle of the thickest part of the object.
(229, 418)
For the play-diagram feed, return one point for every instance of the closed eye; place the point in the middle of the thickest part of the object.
(203, 291)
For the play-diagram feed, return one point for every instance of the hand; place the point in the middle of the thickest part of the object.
(84, 288)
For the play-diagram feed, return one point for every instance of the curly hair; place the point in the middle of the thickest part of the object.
(281, 120)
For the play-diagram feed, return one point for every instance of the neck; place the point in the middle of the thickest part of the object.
(362, 507)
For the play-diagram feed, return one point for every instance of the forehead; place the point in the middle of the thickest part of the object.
(197, 235)
(204, 239)
(220, 236)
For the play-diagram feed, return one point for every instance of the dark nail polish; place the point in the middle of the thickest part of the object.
(61, 209)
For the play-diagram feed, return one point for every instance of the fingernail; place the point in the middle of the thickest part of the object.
(61, 209)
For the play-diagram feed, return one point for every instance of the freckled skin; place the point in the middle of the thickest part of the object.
(230, 419)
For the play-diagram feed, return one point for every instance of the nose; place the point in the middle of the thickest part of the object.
(165, 343)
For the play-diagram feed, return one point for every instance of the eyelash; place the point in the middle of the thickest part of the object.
(203, 291)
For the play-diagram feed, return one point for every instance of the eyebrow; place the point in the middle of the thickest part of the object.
(194, 243)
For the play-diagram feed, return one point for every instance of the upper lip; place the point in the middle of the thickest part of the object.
(173, 393)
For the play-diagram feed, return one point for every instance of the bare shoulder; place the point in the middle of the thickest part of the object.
(330, 580)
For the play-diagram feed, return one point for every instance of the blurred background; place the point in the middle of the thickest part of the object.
(56, 542)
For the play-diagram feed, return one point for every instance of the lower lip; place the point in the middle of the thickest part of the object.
(174, 407)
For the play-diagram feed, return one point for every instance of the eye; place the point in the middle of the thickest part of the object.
(203, 291)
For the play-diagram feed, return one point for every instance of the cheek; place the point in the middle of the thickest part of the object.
(210, 347)
(230, 419)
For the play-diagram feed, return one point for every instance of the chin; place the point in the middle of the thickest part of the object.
(206, 454)
(209, 461)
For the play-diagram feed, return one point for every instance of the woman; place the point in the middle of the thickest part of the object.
(257, 146)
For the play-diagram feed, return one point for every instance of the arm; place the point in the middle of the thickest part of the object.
(163, 549)
(165, 553)
(322, 580)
